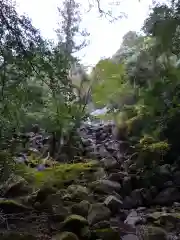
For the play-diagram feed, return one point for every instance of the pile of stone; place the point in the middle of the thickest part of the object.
(106, 203)
(99, 142)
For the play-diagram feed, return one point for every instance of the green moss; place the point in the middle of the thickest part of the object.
(78, 192)
(12, 206)
(153, 233)
(147, 139)
(75, 218)
(56, 175)
(151, 153)
(106, 234)
(158, 147)
(65, 236)
(169, 216)
(74, 223)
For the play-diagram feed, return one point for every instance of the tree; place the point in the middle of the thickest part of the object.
(110, 85)
(70, 28)
(18, 43)
(163, 23)
(35, 83)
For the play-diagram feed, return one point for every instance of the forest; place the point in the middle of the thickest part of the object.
(66, 174)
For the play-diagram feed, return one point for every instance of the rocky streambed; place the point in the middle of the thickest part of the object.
(100, 199)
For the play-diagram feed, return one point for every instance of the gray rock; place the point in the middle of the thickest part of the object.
(123, 146)
(176, 178)
(127, 185)
(168, 184)
(167, 196)
(113, 203)
(165, 169)
(103, 152)
(81, 208)
(133, 218)
(130, 237)
(109, 163)
(128, 202)
(152, 233)
(78, 192)
(98, 212)
(15, 186)
(146, 195)
(117, 177)
(113, 145)
(176, 204)
(101, 225)
(106, 186)
(136, 195)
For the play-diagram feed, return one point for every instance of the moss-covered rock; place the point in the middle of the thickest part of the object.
(54, 205)
(85, 233)
(105, 186)
(65, 236)
(113, 203)
(168, 196)
(98, 212)
(78, 192)
(169, 221)
(58, 175)
(150, 154)
(106, 234)
(81, 208)
(152, 233)
(74, 223)
(12, 206)
(44, 192)
(101, 225)
(15, 186)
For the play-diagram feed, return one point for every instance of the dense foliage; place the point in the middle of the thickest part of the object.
(35, 83)
(151, 63)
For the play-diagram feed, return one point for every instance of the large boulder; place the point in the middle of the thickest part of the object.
(137, 197)
(128, 203)
(133, 218)
(54, 205)
(165, 170)
(98, 212)
(167, 196)
(12, 206)
(106, 186)
(15, 186)
(74, 223)
(169, 219)
(78, 192)
(113, 203)
(44, 192)
(109, 163)
(152, 233)
(127, 185)
(176, 178)
(81, 208)
(117, 176)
